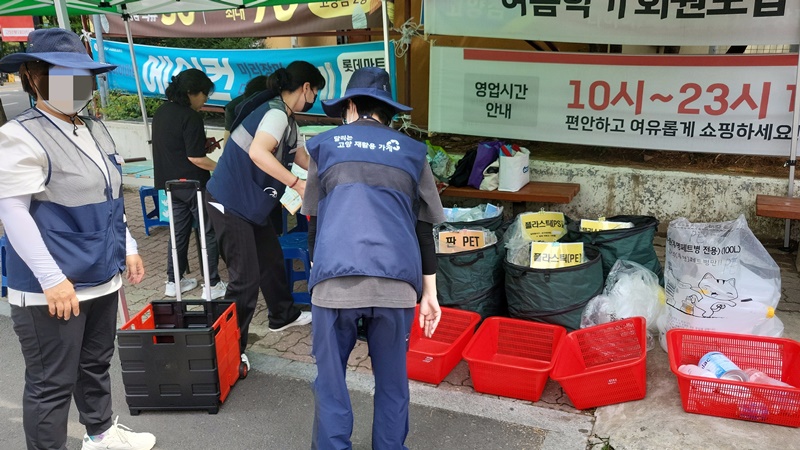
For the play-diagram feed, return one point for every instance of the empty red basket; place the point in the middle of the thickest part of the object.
(431, 359)
(776, 357)
(603, 364)
(512, 357)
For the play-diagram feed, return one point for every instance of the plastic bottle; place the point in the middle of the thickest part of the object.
(745, 317)
(757, 376)
(722, 367)
(756, 411)
(691, 369)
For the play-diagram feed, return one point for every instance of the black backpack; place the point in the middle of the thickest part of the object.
(463, 169)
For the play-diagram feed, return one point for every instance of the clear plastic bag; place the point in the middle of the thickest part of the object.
(631, 290)
(518, 246)
(719, 277)
(484, 211)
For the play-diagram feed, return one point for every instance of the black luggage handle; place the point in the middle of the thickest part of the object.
(182, 183)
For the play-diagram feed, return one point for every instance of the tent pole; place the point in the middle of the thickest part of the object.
(126, 18)
(406, 18)
(385, 14)
(61, 14)
(101, 55)
(793, 153)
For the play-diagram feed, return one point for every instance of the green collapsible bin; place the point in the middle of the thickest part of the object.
(556, 296)
(633, 244)
(473, 280)
(491, 224)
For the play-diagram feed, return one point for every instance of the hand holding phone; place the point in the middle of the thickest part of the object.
(212, 144)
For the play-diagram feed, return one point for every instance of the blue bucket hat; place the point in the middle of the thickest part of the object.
(58, 47)
(369, 82)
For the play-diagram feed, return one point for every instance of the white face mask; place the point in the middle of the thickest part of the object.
(69, 89)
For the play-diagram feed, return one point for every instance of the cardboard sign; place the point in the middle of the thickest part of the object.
(556, 255)
(543, 226)
(460, 241)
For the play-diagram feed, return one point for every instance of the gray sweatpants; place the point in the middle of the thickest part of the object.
(66, 359)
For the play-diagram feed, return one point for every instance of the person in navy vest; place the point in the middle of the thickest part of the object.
(372, 200)
(62, 208)
(249, 180)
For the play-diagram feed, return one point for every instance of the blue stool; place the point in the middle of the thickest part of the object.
(301, 225)
(295, 247)
(151, 218)
(4, 289)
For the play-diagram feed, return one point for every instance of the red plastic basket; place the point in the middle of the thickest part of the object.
(603, 364)
(431, 359)
(512, 357)
(776, 357)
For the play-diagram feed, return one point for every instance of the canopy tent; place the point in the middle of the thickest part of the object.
(78, 7)
(64, 8)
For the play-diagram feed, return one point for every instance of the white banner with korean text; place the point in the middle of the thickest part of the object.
(739, 104)
(638, 22)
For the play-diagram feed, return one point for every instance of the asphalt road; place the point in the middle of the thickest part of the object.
(263, 411)
(14, 99)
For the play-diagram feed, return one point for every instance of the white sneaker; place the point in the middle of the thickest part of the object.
(246, 361)
(304, 319)
(120, 437)
(187, 284)
(218, 290)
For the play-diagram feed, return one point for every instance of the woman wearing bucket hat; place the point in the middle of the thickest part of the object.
(372, 200)
(247, 185)
(62, 208)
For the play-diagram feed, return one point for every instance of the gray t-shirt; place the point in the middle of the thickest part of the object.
(365, 292)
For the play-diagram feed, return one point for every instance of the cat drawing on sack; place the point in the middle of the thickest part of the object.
(709, 296)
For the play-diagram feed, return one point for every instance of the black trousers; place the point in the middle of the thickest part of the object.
(184, 215)
(254, 258)
(65, 360)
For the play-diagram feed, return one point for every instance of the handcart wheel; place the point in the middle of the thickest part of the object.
(135, 412)
(242, 371)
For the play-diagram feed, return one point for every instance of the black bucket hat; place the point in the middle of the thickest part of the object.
(58, 47)
(367, 81)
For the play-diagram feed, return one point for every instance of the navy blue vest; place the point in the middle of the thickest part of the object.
(81, 224)
(237, 183)
(369, 200)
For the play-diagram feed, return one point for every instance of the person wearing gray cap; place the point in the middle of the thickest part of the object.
(62, 208)
(372, 200)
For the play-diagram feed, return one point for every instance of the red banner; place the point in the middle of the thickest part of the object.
(289, 20)
(15, 28)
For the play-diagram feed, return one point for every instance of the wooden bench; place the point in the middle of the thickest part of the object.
(533, 192)
(778, 206)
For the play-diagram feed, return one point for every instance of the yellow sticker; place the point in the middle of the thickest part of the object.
(543, 226)
(556, 255)
(460, 241)
(603, 225)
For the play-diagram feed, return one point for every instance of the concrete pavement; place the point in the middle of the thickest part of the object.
(273, 407)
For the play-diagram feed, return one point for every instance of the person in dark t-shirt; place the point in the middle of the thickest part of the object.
(180, 149)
